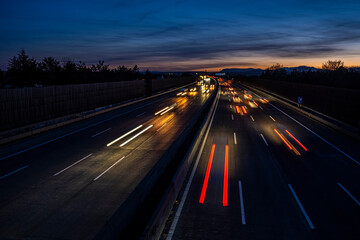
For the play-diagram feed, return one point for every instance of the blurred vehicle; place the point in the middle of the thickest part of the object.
(182, 92)
(263, 100)
(193, 91)
(247, 96)
(252, 102)
(236, 99)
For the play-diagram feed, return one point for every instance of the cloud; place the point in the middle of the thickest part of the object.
(190, 34)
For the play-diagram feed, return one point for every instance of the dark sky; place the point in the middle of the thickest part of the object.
(183, 35)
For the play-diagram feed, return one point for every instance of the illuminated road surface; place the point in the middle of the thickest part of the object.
(66, 183)
(289, 177)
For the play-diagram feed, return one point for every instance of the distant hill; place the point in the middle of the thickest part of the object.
(300, 69)
(355, 69)
(243, 71)
(258, 71)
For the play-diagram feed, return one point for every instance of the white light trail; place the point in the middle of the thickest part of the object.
(109, 144)
(123, 144)
(166, 111)
(161, 110)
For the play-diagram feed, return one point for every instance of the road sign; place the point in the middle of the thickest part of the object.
(300, 99)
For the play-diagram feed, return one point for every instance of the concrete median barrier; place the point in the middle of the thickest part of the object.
(158, 190)
(156, 224)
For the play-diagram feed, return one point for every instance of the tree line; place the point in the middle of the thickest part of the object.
(333, 73)
(24, 71)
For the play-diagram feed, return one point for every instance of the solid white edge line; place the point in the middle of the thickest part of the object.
(70, 133)
(264, 140)
(186, 191)
(252, 118)
(235, 138)
(124, 143)
(108, 168)
(242, 208)
(301, 207)
(353, 198)
(272, 118)
(316, 135)
(72, 165)
(100, 132)
(232, 116)
(17, 170)
(119, 138)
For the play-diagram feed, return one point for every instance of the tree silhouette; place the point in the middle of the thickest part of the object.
(22, 70)
(121, 69)
(2, 77)
(100, 67)
(276, 66)
(81, 67)
(136, 69)
(22, 63)
(49, 64)
(333, 65)
(69, 65)
(148, 83)
(25, 71)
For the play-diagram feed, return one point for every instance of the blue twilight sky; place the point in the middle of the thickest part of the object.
(183, 34)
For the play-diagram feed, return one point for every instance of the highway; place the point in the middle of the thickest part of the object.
(269, 172)
(66, 183)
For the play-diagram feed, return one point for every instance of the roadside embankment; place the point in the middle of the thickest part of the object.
(329, 121)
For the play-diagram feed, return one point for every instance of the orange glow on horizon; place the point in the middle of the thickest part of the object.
(216, 65)
(261, 62)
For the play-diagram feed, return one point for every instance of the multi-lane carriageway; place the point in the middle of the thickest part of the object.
(66, 183)
(265, 171)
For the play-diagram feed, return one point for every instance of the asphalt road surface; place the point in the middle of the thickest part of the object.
(268, 172)
(66, 183)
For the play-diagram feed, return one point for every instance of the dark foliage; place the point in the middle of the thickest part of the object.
(2, 76)
(24, 71)
(334, 65)
(341, 78)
